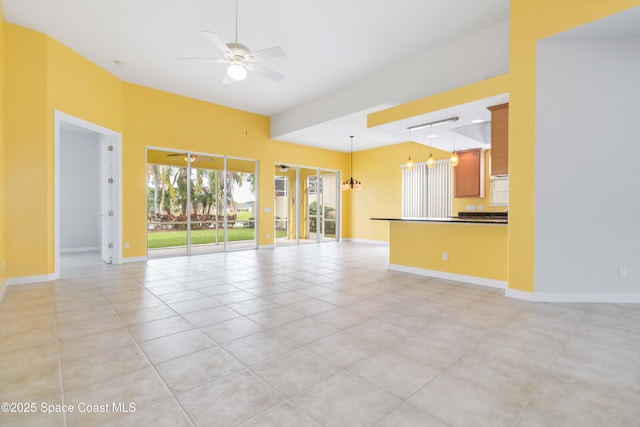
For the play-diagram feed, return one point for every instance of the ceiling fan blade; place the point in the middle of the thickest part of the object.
(272, 52)
(219, 60)
(258, 69)
(217, 42)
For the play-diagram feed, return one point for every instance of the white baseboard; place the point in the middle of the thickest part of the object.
(26, 280)
(267, 247)
(523, 295)
(450, 276)
(82, 249)
(618, 298)
(132, 259)
(371, 242)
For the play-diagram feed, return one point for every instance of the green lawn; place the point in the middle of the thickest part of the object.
(164, 239)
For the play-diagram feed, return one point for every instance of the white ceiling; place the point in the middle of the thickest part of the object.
(330, 45)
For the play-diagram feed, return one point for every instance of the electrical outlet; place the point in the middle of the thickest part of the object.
(622, 272)
(445, 256)
(480, 207)
(267, 235)
(126, 245)
(471, 207)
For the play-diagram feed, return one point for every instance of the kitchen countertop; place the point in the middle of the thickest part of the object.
(450, 220)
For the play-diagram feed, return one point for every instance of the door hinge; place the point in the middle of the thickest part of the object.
(110, 180)
(110, 213)
(110, 148)
(110, 245)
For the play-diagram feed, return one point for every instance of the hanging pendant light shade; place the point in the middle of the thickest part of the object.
(453, 160)
(431, 162)
(351, 183)
(409, 164)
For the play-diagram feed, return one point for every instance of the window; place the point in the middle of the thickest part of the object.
(427, 193)
(281, 186)
(500, 190)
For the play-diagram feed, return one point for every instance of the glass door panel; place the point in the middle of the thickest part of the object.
(166, 203)
(284, 227)
(329, 181)
(309, 205)
(239, 221)
(206, 194)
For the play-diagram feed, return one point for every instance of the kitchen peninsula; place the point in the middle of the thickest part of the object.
(470, 249)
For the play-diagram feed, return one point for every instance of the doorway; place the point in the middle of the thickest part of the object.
(199, 203)
(87, 189)
(306, 205)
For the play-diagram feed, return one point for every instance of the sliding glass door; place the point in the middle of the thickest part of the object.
(199, 203)
(306, 205)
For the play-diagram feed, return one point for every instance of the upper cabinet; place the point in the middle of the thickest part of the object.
(499, 139)
(469, 174)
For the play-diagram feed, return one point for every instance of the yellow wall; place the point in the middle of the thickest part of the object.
(460, 204)
(28, 155)
(159, 119)
(3, 273)
(473, 250)
(42, 75)
(530, 22)
(483, 89)
(381, 195)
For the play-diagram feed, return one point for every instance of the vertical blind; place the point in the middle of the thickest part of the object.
(427, 192)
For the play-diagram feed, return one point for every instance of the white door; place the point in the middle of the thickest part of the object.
(106, 201)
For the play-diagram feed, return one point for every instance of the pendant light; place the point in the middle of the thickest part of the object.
(351, 183)
(409, 164)
(431, 162)
(453, 160)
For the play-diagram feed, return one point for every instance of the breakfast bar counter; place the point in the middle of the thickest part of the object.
(468, 249)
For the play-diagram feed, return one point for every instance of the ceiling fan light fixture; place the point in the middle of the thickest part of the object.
(237, 71)
(192, 158)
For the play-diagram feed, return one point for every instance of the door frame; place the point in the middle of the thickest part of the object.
(111, 191)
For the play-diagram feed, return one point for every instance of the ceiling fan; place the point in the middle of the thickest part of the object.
(192, 158)
(239, 58)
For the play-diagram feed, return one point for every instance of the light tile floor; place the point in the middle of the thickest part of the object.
(307, 336)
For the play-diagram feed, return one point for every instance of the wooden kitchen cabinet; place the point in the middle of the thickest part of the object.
(499, 139)
(469, 174)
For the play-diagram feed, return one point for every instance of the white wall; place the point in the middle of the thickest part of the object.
(587, 167)
(79, 191)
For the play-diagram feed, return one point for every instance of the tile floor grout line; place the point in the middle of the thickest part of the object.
(137, 344)
(60, 377)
